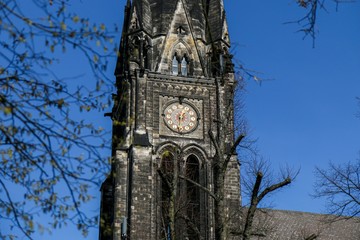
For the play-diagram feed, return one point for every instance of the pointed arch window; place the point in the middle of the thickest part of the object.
(180, 66)
(184, 67)
(193, 197)
(180, 195)
(175, 66)
(167, 168)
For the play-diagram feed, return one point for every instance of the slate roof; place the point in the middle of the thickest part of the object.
(292, 225)
(155, 16)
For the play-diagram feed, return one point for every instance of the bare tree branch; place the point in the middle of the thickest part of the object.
(259, 181)
(43, 144)
(340, 186)
(199, 186)
(233, 148)
(310, 20)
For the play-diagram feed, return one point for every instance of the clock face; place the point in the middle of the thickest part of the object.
(181, 118)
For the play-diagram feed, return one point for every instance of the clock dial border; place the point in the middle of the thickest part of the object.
(181, 117)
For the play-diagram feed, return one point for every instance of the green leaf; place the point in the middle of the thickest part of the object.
(7, 110)
(60, 103)
(63, 26)
(96, 58)
(76, 19)
(8, 211)
(31, 224)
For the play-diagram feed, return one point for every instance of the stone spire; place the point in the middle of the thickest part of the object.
(159, 26)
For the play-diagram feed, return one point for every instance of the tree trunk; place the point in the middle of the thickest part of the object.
(220, 218)
(172, 216)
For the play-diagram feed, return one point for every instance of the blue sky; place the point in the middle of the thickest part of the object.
(305, 116)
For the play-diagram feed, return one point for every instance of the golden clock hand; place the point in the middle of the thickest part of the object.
(180, 128)
(181, 119)
(181, 116)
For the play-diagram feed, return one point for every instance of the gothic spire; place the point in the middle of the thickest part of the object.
(216, 20)
(157, 30)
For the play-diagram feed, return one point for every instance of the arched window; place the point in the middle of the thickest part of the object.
(180, 196)
(180, 67)
(175, 66)
(193, 197)
(167, 168)
(184, 67)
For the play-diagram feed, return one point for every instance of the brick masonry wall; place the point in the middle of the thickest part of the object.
(120, 191)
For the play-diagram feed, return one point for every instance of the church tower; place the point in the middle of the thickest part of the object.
(174, 79)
